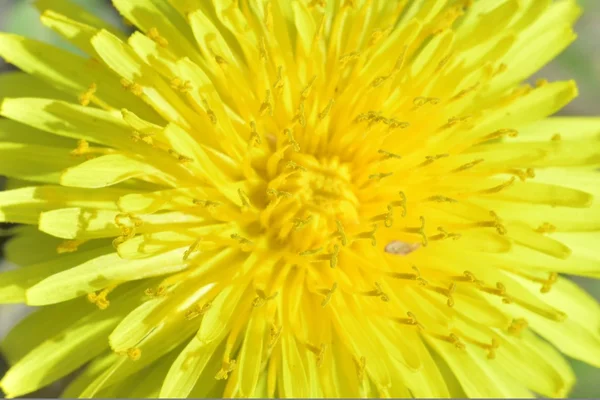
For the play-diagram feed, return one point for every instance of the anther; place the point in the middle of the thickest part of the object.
(310, 252)
(541, 82)
(445, 292)
(133, 87)
(556, 137)
(291, 140)
(262, 298)
(334, 256)
(451, 338)
(377, 292)
(440, 199)
(133, 353)
(468, 165)
(497, 189)
(380, 176)
(401, 203)
(86, 98)
(341, 233)
(197, 311)
(69, 246)
(546, 228)
(300, 115)
(266, 105)
(180, 157)
(301, 223)
(181, 85)
(468, 277)
(244, 199)
(274, 334)
(240, 239)
(206, 203)
(361, 365)
(411, 320)
(369, 235)
(421, 101)
(411, 277)
(227, 367)
(328, 293)
(517, 326)
(82, 148)
(431, 159)
(323, 114)
(255, 138)
(209, 112)
(394, 124)
(501, 133)
(279, 194)
(100, 299)
(156, 37)
(346, 58)
(445, 235)
(420, 230)
(306, 90)
(465, 92)
(295, 166)
(387, 155)
(191, 249)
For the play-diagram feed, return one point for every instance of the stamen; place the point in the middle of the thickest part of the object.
(255, 139)
(291, 140)
(328, 293)
(180, 157)
(133, 87)
(360, 368)
(331, 257)
(445, 235)
(262, 298)
(369, 235)
(69, 246)
(86, 98)
(491, 348)
(556, 137)
(546, 228)
(311, 252)
(387, 155)
(377, 293)
(279, 194)
(244, 199)
(306, 92)
(156, 37)
(266, 105)
(445, 292)
(451, 338)
(467, 277)
(274, 335)
(411, 320)
(431, 159)
(497, 189)
(83, 147)
(133, 353)
(323, 114)
(441, 199)
(341, 233)
(191, 249)
(227, 367)
(197, 311)
(411, 277)
(301, 223)
(380, 176)
(346, 58)
(501, 133)
(209, 112)
(181, 85)
(100, 299)
(421, 101)
(401, 203)
(517, 326)
(245, 243)
(468, 165)
(206, 203)
(420, 230)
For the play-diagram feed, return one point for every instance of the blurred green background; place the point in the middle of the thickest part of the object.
(580, 62)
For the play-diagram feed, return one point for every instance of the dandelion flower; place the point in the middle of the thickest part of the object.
(303, 198)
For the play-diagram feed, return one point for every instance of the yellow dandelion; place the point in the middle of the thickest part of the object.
(303, 198)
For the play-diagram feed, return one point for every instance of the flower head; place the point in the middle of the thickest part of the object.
(305, 198)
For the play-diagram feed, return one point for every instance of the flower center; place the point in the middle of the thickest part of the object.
(313, 198)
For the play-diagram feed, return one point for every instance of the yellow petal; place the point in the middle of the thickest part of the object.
(100, 272)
